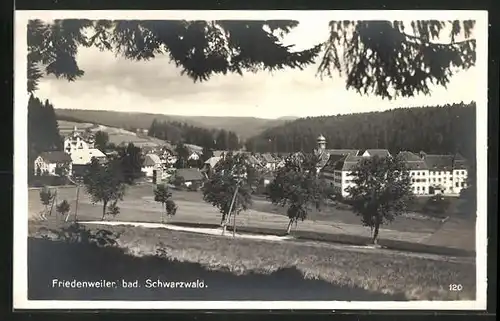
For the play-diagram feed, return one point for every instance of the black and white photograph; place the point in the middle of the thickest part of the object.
(250, 160)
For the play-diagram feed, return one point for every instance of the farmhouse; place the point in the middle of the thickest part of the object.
(55, 163)
(152, 166)
(269, 161)
(84, 156)
(78, 141)
(189, 176)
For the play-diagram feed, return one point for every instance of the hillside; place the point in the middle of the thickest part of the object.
(244, 127)
(440, 130)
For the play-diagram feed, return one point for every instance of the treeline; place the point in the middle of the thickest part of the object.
(43, 130)
(440, 130)
(177, 132)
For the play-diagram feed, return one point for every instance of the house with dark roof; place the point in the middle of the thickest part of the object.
(55, 163)
(189, 176)
(269, 161)
(152, 166)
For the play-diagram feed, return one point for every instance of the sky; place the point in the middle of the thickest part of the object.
(156, 86)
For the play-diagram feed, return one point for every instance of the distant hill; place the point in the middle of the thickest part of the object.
(244, 127)
(438, 130)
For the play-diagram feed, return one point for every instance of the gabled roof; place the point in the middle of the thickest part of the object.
(439, 162)
(268, 158)
(189, 174)
(218, 153)
(348, 163)
(332, 162)
(55, 157)
(378, 152)
(353, 152)
(413, 161)
(212, 161)
(151, 160)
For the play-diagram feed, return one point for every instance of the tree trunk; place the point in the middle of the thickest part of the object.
(375, 234)
(161, 215)
(234, 225)
(289, 228)
(104, 204)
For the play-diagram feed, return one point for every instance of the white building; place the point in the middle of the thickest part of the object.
(447, 173)
(48, 163)
(77, 141)
(152, 163)
(419, 172)
(84, 156)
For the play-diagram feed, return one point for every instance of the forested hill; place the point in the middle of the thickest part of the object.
(440, 130)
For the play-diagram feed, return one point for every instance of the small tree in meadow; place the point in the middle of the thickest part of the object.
(104, 183)
(229, 188)
(297, 186)
(46, 197)
(381, 191)
(63, 208)
(164, 196)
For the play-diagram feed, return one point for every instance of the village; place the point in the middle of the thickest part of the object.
(430, 174)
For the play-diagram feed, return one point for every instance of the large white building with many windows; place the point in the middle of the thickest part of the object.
(430, 174)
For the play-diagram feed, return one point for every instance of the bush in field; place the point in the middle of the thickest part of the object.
(164, 196)
(63, 208)
(46, 197)
(297, 186)
(178, 182)
(382, 191)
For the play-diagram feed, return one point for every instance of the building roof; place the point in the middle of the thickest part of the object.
(151, 160)
(332, 162)
(189, 174)
(353, 152)
(348, 162)
(413, 161)
(84, 156)
(321, 138)
(378, 152)
(212, 161)
(218, 153)
(439, 162)
(268, 158)
(194, 148)
(55, 157)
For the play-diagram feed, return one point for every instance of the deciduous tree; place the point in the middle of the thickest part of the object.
(230, 187)
(105, 183)
(63, 208)
(164, 196)
(130, 159)
(101, 140)
(381, 191)
(297, 186)
(46, 196)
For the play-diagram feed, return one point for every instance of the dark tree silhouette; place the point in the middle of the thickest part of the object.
(376, 56)
(381, 191)
(298, 187)
(101, 140)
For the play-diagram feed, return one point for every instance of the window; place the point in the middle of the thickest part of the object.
(423, 190)
(413, 173)
(456, 184)
(413, 180)
(439, 180)
(418, 188)
(418, 173)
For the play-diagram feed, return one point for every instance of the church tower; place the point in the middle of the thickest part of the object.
(321, 143)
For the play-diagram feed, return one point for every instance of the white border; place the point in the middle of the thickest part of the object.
(20, 295)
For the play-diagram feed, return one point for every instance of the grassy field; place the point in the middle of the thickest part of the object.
(138, 205)
(418, 278)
